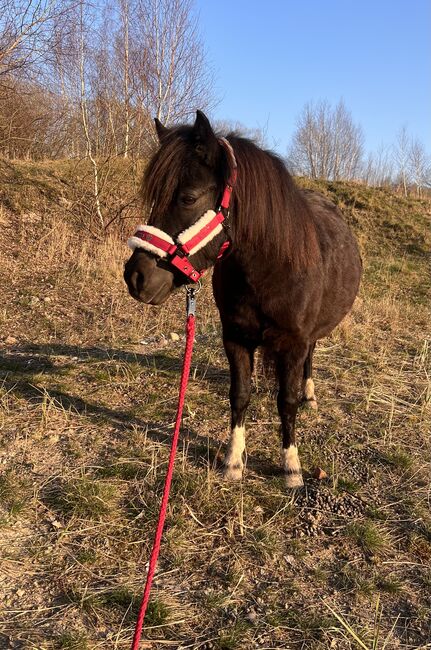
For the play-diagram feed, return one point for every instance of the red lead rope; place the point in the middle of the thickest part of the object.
(190, 333)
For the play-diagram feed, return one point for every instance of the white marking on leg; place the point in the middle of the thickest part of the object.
(233, 462)
(291, 467)
(309, 393)
(290, 459)
(309, 389)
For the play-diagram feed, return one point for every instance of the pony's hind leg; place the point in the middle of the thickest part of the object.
(289, 367)
(241, 366)
(309, 397)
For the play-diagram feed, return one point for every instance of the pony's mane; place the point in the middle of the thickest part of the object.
(269, 213)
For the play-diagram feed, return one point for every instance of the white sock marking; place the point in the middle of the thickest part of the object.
(309, 389)
(236, 448)
(236, 445)
(290, 459)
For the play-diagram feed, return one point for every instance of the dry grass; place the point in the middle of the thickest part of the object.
(87, 399)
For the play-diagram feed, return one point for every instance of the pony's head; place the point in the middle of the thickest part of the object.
(182, 186)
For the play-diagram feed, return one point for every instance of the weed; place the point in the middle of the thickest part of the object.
(157, 613)
(126, 471)
(86, 497)
(359, 639)
(351, 579)
(87, 556)
(398, 458)
(231, 637)
(312, 624)
(347, 485)
(120, 598)
(14, 493)
(389, 585)
(71, 641)
(420, 547)
(368, 536)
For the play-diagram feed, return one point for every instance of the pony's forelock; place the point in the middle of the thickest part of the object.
(164, 171)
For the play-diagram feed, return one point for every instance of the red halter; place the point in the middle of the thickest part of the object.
(195, 237)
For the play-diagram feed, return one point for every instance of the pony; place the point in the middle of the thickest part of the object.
(290, 274)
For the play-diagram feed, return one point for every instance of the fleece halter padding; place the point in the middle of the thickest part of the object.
(151, 239)
(192, 239)
(201, 233)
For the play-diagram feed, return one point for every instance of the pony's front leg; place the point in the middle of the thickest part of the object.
(290, 372)
(240, 359)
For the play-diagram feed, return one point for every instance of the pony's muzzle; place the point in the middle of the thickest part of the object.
(146, 281)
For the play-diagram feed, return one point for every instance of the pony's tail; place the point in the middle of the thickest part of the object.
(264, 369)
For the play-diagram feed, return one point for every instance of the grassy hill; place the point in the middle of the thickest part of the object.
(88, 382)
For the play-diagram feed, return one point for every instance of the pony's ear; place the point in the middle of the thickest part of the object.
(206, 143)
(162, 131)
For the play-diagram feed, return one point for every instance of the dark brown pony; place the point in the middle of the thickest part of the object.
(291, 275)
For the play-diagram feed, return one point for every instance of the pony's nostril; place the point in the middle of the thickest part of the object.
(133, 281)
(137, 281)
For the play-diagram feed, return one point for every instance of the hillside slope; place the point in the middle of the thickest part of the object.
(88, 389)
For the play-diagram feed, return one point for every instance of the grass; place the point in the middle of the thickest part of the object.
(230, 638)
(157, 613)
(71, 641)
(86, 497)
(398, 458)
(87, 400)
(14, 493)
(368, 537)
(360, 640)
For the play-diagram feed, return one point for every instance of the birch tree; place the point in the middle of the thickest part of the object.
(125, 21)
(171, 75)
(401, 159)
(378, 168)
(84, 110)
(420, 166)
(326, 143)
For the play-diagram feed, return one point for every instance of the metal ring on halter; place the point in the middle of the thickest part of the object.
(195, 288)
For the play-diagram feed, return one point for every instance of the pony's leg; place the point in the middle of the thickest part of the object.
(240, 360)
(308, 384)
(290, 373)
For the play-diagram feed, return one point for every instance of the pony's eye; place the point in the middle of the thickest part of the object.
(187, 199)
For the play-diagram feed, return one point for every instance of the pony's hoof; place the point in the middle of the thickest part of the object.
(232, 472)
(293, 481)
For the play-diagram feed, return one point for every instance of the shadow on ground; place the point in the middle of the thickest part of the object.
(19, 365)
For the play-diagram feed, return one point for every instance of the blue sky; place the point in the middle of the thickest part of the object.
(272, 56)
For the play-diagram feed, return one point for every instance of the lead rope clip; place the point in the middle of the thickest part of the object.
(191, 298)
(191, 301)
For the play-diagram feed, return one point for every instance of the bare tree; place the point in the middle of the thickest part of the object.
(401, 155)
(103, 70)
(125, 21)
(258, 134)
(378, 169)
(26, 33)
(171, 76)
(326, 142)
(84, 110)
(419, 166)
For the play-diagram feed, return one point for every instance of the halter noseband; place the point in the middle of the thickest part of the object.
(191, 240)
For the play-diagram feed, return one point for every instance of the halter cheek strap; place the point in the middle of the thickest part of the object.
(191, 240)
